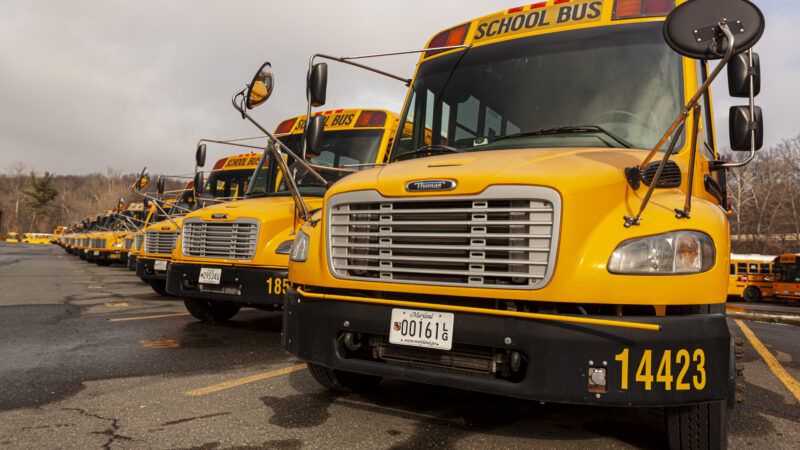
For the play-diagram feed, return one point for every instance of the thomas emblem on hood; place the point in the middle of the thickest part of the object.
(430, 185)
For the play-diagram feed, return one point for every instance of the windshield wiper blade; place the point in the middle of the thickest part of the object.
(566, 130)
(432, 150)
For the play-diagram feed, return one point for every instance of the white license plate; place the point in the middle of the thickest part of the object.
(96, 253)
(160, 265)
(210, 276)
(416, 328)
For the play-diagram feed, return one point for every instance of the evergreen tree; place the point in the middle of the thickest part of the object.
(42, 193)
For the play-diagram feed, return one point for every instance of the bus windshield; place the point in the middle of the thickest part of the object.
(548, 91)
(228, 184)
(788, 272)
(346, 149)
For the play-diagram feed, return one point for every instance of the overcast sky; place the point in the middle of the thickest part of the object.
(85, 85)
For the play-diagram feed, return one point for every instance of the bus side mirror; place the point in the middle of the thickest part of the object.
(739, 71)
(160, 186)
(318, 84)
(200, 155)
(198, 183)
(259, 90)
(314, 134)
(741, 125)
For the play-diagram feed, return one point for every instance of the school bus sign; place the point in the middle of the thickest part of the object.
(537, 17)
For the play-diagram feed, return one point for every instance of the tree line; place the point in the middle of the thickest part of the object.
(764, 199)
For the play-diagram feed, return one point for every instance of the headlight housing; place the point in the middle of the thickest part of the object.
(299, 252)
(285, 248)
(675, 253)
(118, 245)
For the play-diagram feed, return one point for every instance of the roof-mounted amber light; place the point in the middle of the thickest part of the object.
(628, 9)
(285, 126)
(371, 119)
(448, 38)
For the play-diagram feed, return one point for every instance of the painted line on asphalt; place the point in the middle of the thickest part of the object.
(773, 364)
(161, 316)
(246, 380)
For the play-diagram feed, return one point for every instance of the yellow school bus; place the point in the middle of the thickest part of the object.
(521, 241)
(787, 276)
(58, 232)
(137, 238)
(158, 240)
(751, 277)
(233, 255)
(13, 236)
(227, 181)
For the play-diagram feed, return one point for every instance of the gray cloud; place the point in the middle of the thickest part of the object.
(90, 84)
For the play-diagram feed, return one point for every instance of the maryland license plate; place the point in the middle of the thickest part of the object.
(159, 265)
(417, 328)
(210, 276)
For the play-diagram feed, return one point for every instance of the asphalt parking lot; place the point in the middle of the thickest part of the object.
(92, 358)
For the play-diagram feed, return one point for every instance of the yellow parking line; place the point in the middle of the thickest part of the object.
(128, 319)
(773, 364)
(251, 379)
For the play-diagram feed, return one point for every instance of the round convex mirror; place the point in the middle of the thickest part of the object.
(259, 90)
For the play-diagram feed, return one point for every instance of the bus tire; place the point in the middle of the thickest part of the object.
(209, 311)
(343, 382)
(752, 294)
(103, 263)
(159, 287)
(698, 426)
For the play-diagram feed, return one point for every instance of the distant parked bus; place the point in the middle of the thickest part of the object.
(787, 280)
(751, 277)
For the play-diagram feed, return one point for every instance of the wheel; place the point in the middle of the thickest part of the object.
(209, 311)
(752, 294)
(340, 381)
(159, 286)
(698, 426)
(103, 263)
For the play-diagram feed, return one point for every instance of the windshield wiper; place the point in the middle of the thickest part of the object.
(567, 130)
(431, 150)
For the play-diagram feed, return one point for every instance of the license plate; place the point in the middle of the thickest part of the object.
(210, 276)
(96, 253)
(160, 266)
(115, 256)
(421, 329)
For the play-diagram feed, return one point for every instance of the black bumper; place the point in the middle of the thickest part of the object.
(145, 269)
(106, 256)
(241, 285)
(557, 357)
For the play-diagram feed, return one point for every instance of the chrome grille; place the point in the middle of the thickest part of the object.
(220, 240)
(138, 241)
(128, 244)
(504, 238)
(97, 243)
(160, 242)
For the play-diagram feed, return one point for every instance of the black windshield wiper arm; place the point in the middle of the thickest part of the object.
(437, 149)
(566, 130)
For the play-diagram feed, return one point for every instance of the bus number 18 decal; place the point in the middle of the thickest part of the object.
(676, 379)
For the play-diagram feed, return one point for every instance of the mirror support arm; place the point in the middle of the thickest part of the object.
(156, 201)
(686, 212)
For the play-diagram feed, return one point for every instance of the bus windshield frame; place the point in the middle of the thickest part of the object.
(518, 93)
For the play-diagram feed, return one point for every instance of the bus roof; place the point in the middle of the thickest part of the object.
(761, 258)
(546, 17)
(342, 119)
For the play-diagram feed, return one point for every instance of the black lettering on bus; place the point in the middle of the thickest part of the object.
(532, 19)
(517, 23)
(505, 24)
(564, 14)
(490, 32)
(481, 32)
(579, 12)
(596, 8)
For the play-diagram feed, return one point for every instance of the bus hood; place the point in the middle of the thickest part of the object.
(565, 169)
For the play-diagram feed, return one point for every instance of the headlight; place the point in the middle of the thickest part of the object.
(680, 252)
(284, 248)
(118, 245)
(299, 252)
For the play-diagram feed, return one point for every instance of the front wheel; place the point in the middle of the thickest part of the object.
(209, 311)
(340, 381)
(752, 294)
(698, 426)
(159, 287)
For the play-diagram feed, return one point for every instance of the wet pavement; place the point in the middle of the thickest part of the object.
(93, 358)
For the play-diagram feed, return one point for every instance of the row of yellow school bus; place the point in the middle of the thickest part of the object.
(546, 217)
(754, 278)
